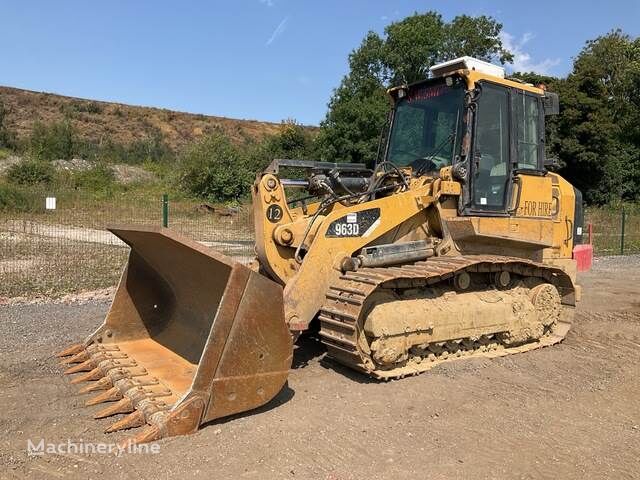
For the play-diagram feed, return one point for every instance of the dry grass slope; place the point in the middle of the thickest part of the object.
(98, 122)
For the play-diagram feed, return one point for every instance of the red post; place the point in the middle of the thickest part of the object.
(583, 254)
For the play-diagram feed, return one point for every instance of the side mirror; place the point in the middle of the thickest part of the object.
(551, 103)
(552, 163)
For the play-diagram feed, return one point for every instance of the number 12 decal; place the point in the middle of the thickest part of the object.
(274, 213)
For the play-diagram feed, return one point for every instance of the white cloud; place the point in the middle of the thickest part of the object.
(268, 3)
(278, 31)
(522, 61)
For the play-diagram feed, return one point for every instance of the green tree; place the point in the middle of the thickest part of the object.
(599, 126)
(292, 141)
(358, 107)
(214, 169)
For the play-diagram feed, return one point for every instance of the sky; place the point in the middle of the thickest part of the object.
(267, 60)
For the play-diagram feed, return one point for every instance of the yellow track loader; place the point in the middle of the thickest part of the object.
(459, 242)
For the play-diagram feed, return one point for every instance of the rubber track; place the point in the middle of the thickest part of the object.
(340, 316)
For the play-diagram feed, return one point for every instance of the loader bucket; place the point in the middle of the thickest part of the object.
(191, 336)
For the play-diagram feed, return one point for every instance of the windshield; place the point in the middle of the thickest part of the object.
(425, 127)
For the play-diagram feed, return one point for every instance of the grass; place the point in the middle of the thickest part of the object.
(96, 212)
(56, 252)
(607, 229)
(52, 266)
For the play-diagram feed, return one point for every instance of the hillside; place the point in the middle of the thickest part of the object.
(97, 122)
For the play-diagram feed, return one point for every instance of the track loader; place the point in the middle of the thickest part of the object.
(460, 242)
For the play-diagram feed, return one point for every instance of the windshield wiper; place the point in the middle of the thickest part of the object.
(425, 161)
(453, 136)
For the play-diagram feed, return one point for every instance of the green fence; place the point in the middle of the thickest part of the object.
(67, 249)
(616, 231)
(52, 251)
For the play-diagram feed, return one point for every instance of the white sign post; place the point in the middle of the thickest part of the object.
(50, 203)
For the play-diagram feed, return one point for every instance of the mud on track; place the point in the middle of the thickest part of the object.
(569, 411)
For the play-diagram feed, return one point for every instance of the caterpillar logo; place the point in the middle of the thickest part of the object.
(536, 209)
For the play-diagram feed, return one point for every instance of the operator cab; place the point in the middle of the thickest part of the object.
(468, 116)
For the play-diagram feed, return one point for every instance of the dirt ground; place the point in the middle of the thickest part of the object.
(569, 411)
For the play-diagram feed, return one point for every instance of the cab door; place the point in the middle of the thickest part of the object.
(491, 152)
(532, 193)
(509, 203)
(508, 177)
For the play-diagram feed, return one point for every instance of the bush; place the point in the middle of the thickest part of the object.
(87, 107)
(52, 142)
(31, 172)
(98, 178)
(214, 169)
(152, 148)
(7, 137)
(13, 198)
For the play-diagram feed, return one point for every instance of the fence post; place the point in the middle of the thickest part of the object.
(165, 210)
(622, 235)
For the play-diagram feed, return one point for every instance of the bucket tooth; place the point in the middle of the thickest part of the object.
(117, 374)
(133, 420)
(145, 381)
(109, 355)
(95, 374)
(111, 363)
(139, 393)
(135, 372)
(97, 347)
(81, 367)
(121, 406)
(102, 384)
(150, 434)
(110, 395)
(72, 350)
(79, 357)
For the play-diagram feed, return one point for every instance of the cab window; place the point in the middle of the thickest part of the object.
(527, 130)
(425, 127)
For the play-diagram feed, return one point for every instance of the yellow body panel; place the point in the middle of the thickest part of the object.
(563, 219)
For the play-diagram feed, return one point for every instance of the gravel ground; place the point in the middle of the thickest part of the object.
(569, 411)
